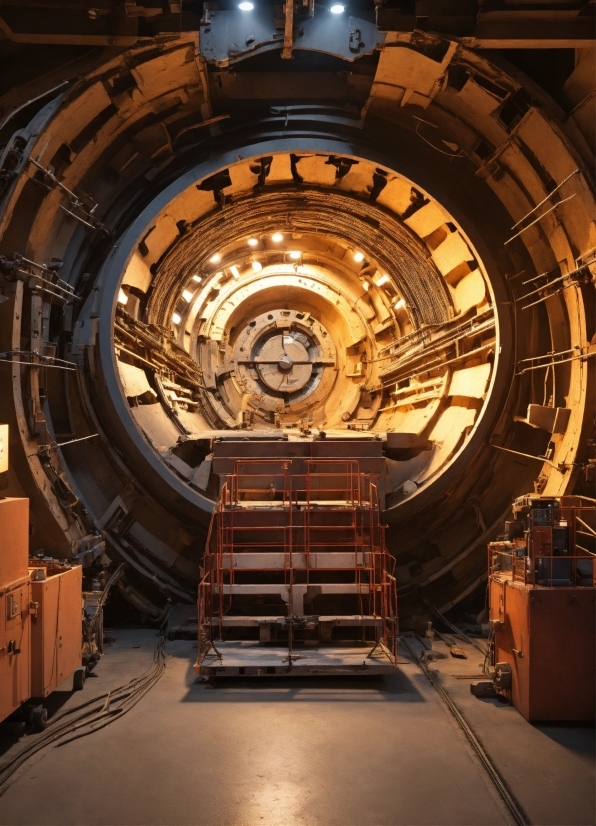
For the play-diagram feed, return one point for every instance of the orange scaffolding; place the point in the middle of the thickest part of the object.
(293, 531)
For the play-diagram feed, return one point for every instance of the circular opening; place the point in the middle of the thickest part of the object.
(363, 317)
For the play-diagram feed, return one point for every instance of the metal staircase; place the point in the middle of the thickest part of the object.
(296, 578)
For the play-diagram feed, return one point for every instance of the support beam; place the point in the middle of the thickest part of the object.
(288, 31)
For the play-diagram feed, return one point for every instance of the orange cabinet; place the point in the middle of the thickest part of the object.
(15, 598)
(56, 627)
(15, 646)
(547, 636)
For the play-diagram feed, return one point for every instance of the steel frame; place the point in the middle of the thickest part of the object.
(265, 507)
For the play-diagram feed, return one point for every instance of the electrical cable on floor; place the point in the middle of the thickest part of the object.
(512, 804)
(94, 714)
(455, 629)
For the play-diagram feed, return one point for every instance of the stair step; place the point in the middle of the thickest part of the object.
(249, 659)
(337, 620)
(274, 561)
(298, 592)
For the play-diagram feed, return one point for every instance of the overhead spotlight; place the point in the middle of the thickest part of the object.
(246, 5)
(187, 295)
(295, 255)
(252, 242)
(197, 278)
(122, 296)
(382, 280)
(358, 257)
(235, 271)
(399, 304)
(257, 266)
(176, 318)
(215, 259)
(337, 8)
(277, 237)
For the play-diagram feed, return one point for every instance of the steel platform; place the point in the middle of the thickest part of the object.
(250, 659)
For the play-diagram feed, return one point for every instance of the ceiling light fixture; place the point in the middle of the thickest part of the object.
(295, 255)
(215, 259)
(197, 278)
(337, 8)
(257, 266)
(358, 257)
(365, 286)
(277, 237)
(176, 318)
(122, 296)
(187, 295)
(382, 280)
(235, 271)
(245, 6)
(252, 242)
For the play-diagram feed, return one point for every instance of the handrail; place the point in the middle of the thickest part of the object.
(300, 530)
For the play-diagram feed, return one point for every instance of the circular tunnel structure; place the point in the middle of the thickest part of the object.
(181, 267)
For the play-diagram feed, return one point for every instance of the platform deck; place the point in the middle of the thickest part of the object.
(250, 659)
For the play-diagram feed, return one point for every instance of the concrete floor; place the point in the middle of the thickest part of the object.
(370, 751)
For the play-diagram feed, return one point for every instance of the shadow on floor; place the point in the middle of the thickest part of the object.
(397, 687)
(579, 738)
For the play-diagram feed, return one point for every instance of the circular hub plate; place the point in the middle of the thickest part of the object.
(283, 364)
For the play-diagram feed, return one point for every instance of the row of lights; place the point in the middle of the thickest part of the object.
(335, 8)
(277, 237)
(187, 295)
(398, 302)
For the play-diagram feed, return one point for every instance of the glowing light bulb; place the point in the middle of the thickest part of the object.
(382, 280)
(235, 271)
(277, 237)
(252, 242)
(215, 259)
(257, 266)
(245, 6)
(337, 8)
(358, 257)
(176, 318)
(187, 295)
(197, 279)
(295, 254)
(122, 297)
(399, 303)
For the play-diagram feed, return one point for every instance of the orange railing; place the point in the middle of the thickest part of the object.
(265, 507)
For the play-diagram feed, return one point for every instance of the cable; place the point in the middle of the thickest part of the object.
(510, 801)
(95, 714)
(455, 629)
